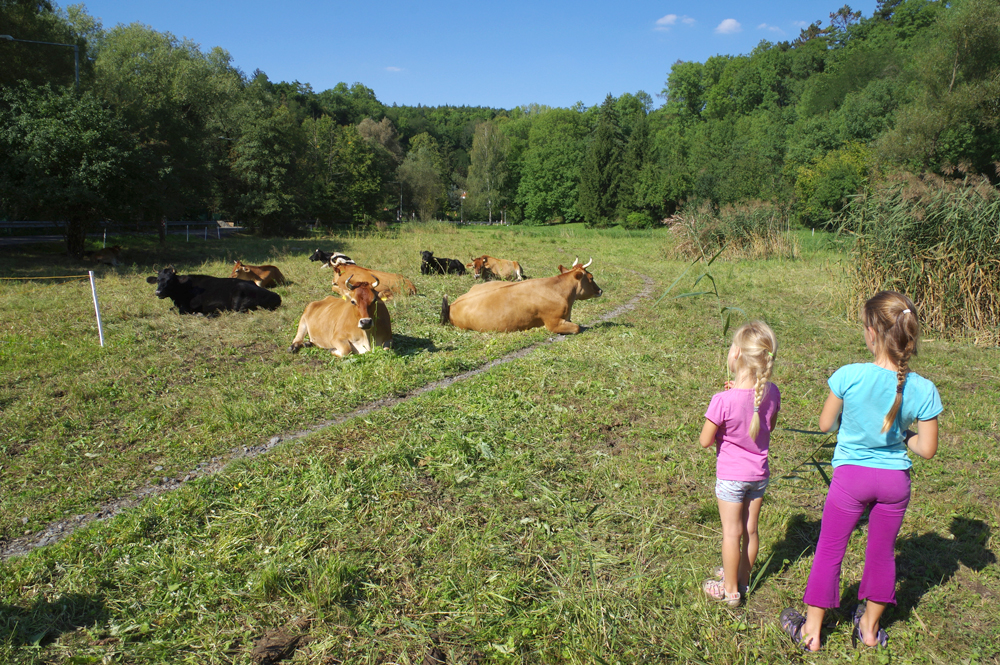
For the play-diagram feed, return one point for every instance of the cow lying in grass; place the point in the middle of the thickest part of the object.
(354, 323)
(202, 294)
(263, 276)
(490, 267)
(506, 307)
(107, 255)
(431, 264)
(390, 284)
(328, 259)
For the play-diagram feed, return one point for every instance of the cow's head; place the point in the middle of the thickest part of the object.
(586, 287)
(318, 255)
(426, 256)
(365, 299)
(240, 270)
(477, 266)
(164, 280)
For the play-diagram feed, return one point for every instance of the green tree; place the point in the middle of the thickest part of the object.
(600, 177)
(39, 64)
(487, 182)
(550, 170)
(175, 98)
(421, 173)
(65, 157)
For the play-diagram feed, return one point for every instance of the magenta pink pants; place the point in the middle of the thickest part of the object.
(852, 490)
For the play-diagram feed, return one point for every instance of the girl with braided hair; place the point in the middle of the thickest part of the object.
(874, 403)
(739, 422)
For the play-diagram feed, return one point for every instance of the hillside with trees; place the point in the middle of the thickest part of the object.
(160, 127)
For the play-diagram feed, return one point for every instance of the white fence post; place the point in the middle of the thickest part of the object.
(97, 308)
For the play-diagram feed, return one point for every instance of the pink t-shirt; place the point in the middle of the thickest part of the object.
(737, 456)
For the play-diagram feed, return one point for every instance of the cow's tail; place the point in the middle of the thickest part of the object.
(445, 311)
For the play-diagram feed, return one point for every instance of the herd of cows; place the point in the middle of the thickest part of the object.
(356, 320)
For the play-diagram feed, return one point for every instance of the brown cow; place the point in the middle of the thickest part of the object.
(389, 284)
(506, 307)
(489, 267)
(108, 255)
(266, 276)
(353, 323)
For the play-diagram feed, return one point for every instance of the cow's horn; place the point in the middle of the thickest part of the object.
(575, 261)
(588, 262)
(348, 283)
(375, 283)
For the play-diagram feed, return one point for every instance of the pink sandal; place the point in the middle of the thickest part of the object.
(717, 591)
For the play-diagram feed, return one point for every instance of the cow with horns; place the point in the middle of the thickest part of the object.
(355, 322)
(510, 306)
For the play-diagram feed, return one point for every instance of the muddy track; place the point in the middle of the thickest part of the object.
(60, 529)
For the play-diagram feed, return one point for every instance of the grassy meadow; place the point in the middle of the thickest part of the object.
(555, 508)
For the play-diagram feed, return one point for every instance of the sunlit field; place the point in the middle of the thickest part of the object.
(553, 508)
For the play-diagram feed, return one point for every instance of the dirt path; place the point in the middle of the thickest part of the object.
(60, 529)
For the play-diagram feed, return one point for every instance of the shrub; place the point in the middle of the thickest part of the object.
(637, 220)
(938, 242)
(753, 230)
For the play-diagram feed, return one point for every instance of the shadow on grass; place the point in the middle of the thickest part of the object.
(799, 541)
(46, 620)
(931, 560)
(409, 346)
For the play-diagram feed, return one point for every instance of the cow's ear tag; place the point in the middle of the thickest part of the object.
(343, 296)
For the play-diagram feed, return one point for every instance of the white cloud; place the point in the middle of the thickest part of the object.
(664, 23)
(772, 28)
(393, 69)
(800, 24)
(728, 27)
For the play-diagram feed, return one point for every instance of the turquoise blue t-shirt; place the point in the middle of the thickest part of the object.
(868, 392)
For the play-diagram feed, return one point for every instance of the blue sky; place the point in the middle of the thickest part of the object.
(499, 54)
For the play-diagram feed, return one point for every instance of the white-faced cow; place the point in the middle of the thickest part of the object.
(354, 323)
(202, 294)
(431, 264)
(490, 267)
(328, 259)
(264, 276)
(506, 307)
(390, 284)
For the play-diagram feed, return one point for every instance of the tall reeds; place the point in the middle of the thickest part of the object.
(753, 230)
(938, 241)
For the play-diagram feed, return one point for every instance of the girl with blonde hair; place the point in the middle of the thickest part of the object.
(874, 403)
(739, 422)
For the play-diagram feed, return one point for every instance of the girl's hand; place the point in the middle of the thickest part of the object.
(728, 385)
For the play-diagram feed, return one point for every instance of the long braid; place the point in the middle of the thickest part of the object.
(902, 369)
(759, 390)
(893, 318)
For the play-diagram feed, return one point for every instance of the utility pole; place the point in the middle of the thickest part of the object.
(76, 55)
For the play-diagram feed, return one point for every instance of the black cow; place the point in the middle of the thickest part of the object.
(331, 259)
(431, 263)
(201, 294)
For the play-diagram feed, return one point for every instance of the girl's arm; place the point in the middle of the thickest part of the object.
(707, 437)
(925, 441)
(828, 418)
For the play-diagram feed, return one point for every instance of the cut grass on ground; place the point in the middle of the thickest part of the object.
(555, 509)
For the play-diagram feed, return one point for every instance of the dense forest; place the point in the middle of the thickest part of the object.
(158, 127)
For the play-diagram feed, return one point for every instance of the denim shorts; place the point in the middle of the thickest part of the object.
(738, 491)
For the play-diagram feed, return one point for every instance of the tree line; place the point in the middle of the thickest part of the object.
(159, 127)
